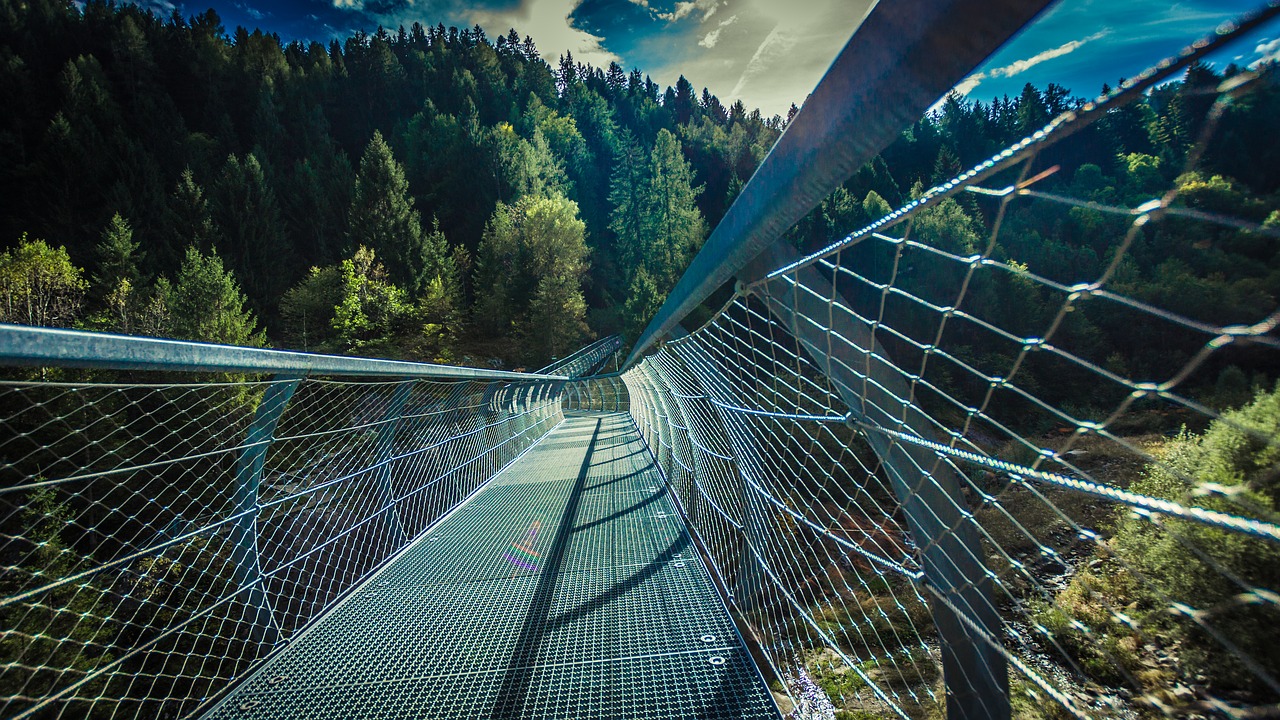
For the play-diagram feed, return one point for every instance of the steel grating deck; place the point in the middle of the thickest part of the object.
(567, 588)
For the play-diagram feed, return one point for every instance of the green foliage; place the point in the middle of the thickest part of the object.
(307, 309)
(244, 207)
(39, 285)
(531, 261)
(61, 630)
(673, 228)
(187, 220)
(383, 219)
(370, 308)
(118, 257)
(118, 283)
(644, 299)
(1160, 571)
(657, 222)
(874, 206)
(205, 303)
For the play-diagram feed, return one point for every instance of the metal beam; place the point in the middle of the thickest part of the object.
(901, 59)
(52, 347)
(927, 487)
(244, 534)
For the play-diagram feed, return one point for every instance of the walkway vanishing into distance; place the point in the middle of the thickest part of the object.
(567, 587)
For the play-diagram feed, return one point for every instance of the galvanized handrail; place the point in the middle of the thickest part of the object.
(902, 58)
(584, 360)
(36, 346)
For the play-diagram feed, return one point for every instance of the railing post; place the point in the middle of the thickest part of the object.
(244, 534)
(748, 584)
(697, 466)
(391, 421)
(928, 489)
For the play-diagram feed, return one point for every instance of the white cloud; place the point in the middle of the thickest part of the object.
(774, 55)
(970, 83)
(684, 8)
(1019, 66)
(349, 4)
(547, 21)
(777, 44)
(252, 12)
(710, 39)
(1267, 51)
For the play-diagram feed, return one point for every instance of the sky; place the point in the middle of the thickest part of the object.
(770, 53)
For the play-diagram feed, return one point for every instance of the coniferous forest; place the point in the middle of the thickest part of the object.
(437, 194)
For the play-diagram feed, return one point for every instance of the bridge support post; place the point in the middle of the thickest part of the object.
(244, 534)
(927, 487)
(751, 470)
(392, 419)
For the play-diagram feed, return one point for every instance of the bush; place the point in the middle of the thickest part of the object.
(1183, 585)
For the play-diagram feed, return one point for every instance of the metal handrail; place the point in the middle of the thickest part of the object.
(49, 347)
(900, 60)
(612, 342)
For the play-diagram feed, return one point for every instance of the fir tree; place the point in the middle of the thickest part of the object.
(383, 218)
(206, 304)
(673, 225)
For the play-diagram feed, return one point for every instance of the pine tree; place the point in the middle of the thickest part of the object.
(384, 219)
(206, 304)
(188, 221)
(117, 285)
(627, 193)
(556, 322)
(684, 101)
(643, 301)
(118, 258)
(673, 225)
(252, 234)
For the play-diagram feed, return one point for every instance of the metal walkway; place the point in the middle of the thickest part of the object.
(566, 588)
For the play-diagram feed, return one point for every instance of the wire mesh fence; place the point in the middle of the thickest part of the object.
(604, 393)
(589, 360)
(1015, 443)
(159, 536)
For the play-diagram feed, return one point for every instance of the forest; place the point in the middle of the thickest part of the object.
(437, 194)
(433, 193)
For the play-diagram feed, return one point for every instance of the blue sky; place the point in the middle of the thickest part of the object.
(770, 53)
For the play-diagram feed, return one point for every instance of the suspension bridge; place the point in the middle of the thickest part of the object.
(819, 501)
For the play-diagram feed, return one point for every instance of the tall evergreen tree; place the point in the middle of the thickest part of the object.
(117, 284)
(673, 225)
(188, 221)
(251, 232)
(206, 304)
(383, 218)
(118, 258)
(627, 196)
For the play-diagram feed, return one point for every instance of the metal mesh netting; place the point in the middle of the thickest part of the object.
(589, 360)
(944, 434)
(159, 538)
(601, 392)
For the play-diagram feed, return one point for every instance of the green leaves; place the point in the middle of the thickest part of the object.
(206, 304)
(384, 219)
(529, 274)
(656, 218)
(39, 285)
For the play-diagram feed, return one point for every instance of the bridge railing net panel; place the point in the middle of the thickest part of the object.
(141, 574)
(1099, 415)
(603, 393)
